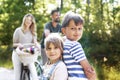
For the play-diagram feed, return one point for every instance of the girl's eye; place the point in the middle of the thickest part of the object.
(48, 48)
(56, 47)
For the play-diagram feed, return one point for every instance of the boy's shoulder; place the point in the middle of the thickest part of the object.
(71, 42)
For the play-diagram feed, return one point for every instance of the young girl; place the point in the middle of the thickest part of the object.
(54, 65)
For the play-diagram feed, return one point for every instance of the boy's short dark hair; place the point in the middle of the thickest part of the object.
(53, 11)
(72, 16)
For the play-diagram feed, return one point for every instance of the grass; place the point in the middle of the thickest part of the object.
(103, 72)
(6, 64)
(107, 73)
(112, 74)
(5, 57)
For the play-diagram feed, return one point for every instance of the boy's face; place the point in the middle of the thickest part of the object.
(72, 31)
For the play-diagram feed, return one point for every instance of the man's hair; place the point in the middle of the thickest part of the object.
(72, 16)
(53, 11)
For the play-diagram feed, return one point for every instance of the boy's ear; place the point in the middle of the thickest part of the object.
(63, 30)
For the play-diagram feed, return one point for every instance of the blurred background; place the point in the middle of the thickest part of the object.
(101, 37)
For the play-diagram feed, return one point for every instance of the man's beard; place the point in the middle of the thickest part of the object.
(57, 20)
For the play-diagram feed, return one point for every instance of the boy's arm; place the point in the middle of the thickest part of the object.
(88, 69)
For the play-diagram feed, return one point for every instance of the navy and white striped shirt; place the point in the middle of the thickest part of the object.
(73, 54)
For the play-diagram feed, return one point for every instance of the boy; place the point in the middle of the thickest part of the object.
(74, 57)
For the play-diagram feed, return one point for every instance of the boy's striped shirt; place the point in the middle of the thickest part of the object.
(73, 54)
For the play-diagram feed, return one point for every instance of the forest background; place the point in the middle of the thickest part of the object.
(101, 37)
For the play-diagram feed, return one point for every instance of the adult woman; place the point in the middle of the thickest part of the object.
(24, 34)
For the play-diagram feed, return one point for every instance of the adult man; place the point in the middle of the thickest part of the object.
(50, 27)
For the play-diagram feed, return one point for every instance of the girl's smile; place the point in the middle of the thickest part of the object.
(53, 52)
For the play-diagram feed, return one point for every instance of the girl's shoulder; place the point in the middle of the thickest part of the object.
(61, 64)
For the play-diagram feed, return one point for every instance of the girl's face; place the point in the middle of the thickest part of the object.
(72, 31)
(28, 21)
(53, 53)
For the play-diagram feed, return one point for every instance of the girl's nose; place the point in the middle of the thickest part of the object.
(52, 50)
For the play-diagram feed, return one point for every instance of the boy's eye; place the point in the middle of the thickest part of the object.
(79, 28)
(72, 28)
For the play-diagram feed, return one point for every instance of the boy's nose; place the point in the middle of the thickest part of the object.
(77, 31)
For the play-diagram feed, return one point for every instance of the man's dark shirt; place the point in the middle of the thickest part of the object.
(52, 29)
